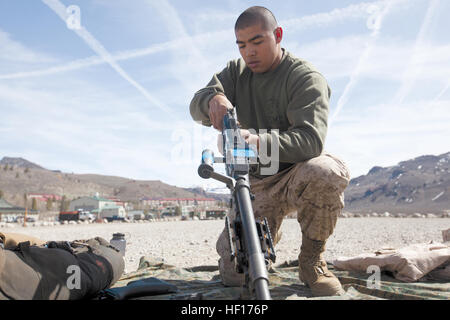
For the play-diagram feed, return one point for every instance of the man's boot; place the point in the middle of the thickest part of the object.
(313, 269)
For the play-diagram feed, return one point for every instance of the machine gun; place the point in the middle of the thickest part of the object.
(250, 240)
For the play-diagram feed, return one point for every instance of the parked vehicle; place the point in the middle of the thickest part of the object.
(86, 216)
(150, 216)
(69, 215)
(168, 214)
(114, 218)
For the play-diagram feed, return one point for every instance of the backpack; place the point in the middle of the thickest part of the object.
(59, 270)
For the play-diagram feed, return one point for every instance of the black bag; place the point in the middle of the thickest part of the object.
(59, 270)
(139, 288)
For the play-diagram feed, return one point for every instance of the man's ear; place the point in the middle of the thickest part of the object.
(278, 34)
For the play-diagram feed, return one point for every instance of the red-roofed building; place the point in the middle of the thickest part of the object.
(156, 202)
(117, 201)
(44, 196)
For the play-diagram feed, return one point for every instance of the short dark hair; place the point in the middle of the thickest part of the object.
(255, 15)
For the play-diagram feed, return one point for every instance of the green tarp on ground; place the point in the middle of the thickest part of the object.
(203, 282)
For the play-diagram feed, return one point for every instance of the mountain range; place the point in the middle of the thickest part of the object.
(19, 176)
(421, 184)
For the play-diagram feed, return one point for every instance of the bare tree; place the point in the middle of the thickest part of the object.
(49, 204)
(34, 204)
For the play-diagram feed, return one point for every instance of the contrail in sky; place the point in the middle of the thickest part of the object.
(315, 20)
(190, 55)
(412, 70)
(95, 45)
(95, 60)
(375, 25)
(440, 94)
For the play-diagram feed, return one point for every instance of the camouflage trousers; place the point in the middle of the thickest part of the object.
(314, 188)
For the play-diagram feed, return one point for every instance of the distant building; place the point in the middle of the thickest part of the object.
(165, 202)
(44, 196)
(136, 215)
(150, 202)
(216, 213)
(110, 212)
(102, 207)
(9, 212)
(117, 201)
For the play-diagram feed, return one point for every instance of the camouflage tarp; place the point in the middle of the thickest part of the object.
(203, 282)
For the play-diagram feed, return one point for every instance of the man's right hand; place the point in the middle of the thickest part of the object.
(218, 107)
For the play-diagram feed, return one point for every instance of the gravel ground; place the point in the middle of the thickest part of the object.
(191, 243)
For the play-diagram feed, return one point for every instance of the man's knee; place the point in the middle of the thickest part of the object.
(222, 245)
(325, 170)
(226, 267)
(318, 185)
(230, 277)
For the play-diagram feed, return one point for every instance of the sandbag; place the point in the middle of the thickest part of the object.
(407, 264)
(10, 240)
(59, 270)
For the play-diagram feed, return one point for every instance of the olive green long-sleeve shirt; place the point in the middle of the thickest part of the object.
(292, 98)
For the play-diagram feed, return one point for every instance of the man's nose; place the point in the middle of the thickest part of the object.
(250, 52)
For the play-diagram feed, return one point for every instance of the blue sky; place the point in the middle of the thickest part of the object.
(112, 97)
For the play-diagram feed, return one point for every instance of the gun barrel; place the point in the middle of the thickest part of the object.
(257, 266)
